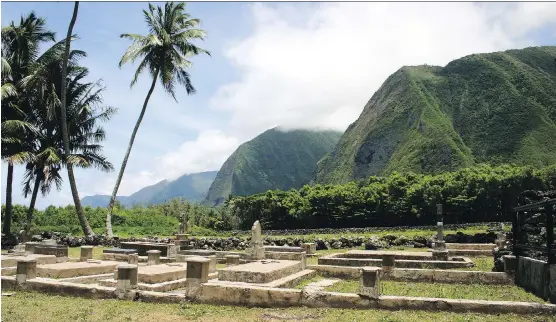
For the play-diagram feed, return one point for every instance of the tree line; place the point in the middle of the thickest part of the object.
(477, 194)
(52, 115)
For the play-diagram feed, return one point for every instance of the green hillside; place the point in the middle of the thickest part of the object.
(495, 108)
(191, 187)
(273, 160)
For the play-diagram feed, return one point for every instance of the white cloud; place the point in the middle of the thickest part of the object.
(319, 70)
(207, 152)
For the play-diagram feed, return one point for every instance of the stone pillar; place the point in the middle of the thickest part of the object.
(232, 260)
(26, 270)
(310, 248)
(500, 239)
(30, 247)
(303, 260)
(133, 259)
(19, 250)
(440, 254)
(388, 262)
(196, 274)
(153, 257)
(127, 279)
(257, 249)
(212, 263)
(86, 253)
(370, 282)
(440, 244)
(510, 263)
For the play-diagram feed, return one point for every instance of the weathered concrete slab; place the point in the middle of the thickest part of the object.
(56, 250)
(11, 260)
(461, 246)
(167, 250)
(261, 272)
(410, 260)
(73, 269)
(159, 273)
(291, 256)
(288, 249)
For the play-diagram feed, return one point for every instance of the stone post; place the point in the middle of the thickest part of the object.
(232, 260)
(388, 262)
(26, 270)
(30, 247)
(19, 250)
(370, 282)
(153, 257)
(440, 254)
(196, 274)
(303, 260)
(133, 259)
(439, 244)
(500, 239)
(212, 263)
(86, 253)
(127, 279)
(510, 264)
(310, 248)
(257, 249)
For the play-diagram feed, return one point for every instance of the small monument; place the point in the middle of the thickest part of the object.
(440, 252)
(183, 224)
(257, 249)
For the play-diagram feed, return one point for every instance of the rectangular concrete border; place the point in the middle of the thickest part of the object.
(275, 297)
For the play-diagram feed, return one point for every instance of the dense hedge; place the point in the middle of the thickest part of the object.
(478, 194)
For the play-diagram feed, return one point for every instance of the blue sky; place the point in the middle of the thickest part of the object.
(297, 65)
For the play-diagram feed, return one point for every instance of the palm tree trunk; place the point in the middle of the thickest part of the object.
(109, 232)
(6, 229)
(32, 206)
(87, 231)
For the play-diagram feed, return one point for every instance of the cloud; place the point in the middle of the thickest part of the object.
(206, 153)
(318, 70)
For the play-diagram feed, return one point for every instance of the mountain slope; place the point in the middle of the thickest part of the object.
(191, 187)
(273, 160)
(497, 108)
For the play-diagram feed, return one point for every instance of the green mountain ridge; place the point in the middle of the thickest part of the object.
(496, 108)
(275, 159)
(192, 187)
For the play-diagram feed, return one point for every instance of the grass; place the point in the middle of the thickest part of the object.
(76, 252)
(30, 306)
(451, 291)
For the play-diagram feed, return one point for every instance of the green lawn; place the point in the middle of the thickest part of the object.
(451, 291)
(24, 306)
(76, 252)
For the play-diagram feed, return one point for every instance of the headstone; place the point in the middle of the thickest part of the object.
(440, 254)
(257, 249)
(133, 259)
(153, 257)
(19, 250)
(197, 273)
(388, 262)
(310, 248)
(370, 282)
(440, 244)
(30, 247)
(510, 263)
(127, 279)
(86, 253)
(26, 270)
(232, 260)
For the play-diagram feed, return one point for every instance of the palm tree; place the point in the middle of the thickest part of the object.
(75, 194)
(83, 113)
(165, 52)
(20, 47)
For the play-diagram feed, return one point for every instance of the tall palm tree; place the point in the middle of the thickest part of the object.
(83, 114)
(71, 177)
(20, 47)
(165, 52)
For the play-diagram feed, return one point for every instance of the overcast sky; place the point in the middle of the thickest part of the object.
(296, 65)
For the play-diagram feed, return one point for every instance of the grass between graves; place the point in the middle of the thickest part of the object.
(76, 252)
(440, 290)
(31, 306)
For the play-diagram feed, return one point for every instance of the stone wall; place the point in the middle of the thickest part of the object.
(534, 276)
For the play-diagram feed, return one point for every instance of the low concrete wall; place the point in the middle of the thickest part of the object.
(340, 260)
(534, 276)
(273, 297)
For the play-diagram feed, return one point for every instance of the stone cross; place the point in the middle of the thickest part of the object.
(257, 250)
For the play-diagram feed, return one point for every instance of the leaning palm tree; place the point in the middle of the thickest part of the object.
(164, 52)
(83, 115)
(20, 47)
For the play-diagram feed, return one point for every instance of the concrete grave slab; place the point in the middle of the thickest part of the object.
(262, 271)
(167, 250)
(160, 273)
(11, 260)
(74, 269)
